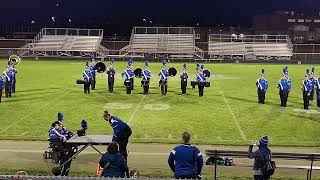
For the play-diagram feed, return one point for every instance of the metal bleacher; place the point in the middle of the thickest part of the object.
(65, 42)
(176, 42)
(250, 47)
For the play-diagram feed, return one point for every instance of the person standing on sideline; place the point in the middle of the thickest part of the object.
(111, 72)
(185, 160)
(262, 85)
(284, 86)
(121, 132)
(260, 156)
(184, 79)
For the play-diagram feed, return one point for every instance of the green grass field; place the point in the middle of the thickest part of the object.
(228, 113)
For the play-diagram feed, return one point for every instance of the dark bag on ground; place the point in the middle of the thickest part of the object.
(268, 167)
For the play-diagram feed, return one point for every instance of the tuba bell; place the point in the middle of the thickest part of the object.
(14, 60)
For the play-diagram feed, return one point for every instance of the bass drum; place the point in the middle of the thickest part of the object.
(172, 71)
(100, 67)
(138, 73)
(207, 73)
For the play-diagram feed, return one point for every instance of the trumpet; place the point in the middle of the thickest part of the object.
(14, 60)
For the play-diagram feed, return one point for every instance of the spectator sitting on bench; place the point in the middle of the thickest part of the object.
(186, 161)
(113, 163)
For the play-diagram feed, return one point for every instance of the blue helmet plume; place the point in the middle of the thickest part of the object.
(84, 124)
(60, 116)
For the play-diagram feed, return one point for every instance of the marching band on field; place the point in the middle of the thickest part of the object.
(310, 85)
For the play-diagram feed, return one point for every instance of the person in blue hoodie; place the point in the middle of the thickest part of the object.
(259, 156)
(186, 161)
(121, 132)
(113, 163)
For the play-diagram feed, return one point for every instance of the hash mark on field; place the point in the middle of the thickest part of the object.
(136, 109)
(24, 117)
(24, 133)
(236, 122)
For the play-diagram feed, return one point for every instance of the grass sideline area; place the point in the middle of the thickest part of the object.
(149, 159)
(228, 113)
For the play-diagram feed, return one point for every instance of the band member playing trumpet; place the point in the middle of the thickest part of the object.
(128, 77)
(164, 75)
(111, 72)
(87, 77)
(146, 76)
(201, 80)
(184, 79)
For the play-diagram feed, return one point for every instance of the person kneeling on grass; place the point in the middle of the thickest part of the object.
(186, 161)
(112, 163)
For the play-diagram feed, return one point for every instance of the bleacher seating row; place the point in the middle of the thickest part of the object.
(257, 49)
(62, 42)
(163, 42)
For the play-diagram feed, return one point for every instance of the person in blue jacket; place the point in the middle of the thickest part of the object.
(163, 76)
(313, 82)
(121, 132)
(2, 78)
(113, 163)
(111, 71)
(93, 73)
(186, 161)
(262, 85)
(317, 87)
(8, 81)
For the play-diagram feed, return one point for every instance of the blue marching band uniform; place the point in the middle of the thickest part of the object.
(184, 79)
(2, 82)
(146, 76)
(262, 86)
(307, 87)
(284, 86)
(201, 79)
(163, 76)
(111, 71)
(317, 87)
(128, 76)
(313, 83)
(87, 78)
(93, 74)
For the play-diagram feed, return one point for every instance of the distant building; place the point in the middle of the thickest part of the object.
(301, 28)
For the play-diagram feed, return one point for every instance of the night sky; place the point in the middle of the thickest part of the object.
(120, 14)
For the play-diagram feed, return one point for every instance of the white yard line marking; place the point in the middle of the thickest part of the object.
(136, 109)
(236, 122)
(27, 115)
(24, 133)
